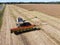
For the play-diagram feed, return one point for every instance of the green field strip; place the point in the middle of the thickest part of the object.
(1, 16)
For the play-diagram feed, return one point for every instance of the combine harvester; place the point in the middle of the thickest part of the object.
(23, 26)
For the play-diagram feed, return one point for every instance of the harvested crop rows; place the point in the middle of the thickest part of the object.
(48, 35)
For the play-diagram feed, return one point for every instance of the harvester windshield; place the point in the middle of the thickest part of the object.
(25, 24)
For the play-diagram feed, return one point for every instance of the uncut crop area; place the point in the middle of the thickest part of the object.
(50, 9)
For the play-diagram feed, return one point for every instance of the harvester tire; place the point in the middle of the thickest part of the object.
(16, 33)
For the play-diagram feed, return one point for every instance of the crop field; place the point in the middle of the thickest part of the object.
(50, 9)
(49, 22)
(1, 14)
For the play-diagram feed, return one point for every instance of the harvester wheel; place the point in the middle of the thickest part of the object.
(11, 31)
(16, 33)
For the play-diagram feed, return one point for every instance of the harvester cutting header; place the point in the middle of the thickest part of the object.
(23, 26)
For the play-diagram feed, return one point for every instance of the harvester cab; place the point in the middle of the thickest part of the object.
(19, 21)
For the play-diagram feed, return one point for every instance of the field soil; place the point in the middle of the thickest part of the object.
(50, 9)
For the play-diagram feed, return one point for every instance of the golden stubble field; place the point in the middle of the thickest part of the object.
(50, 9)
